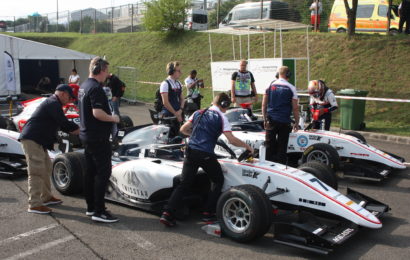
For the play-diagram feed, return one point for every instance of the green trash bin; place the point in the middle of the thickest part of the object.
(352, 110)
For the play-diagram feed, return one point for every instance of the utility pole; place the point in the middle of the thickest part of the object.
(389, 17)
(261, 9)
(57, 18)
(217, 13)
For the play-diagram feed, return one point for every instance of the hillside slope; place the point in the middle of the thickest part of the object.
(375, 63)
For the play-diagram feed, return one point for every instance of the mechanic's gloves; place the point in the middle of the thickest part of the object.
(316, 113)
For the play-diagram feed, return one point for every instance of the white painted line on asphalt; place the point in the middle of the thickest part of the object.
(40, 248)
(134, 237)
(23, 235)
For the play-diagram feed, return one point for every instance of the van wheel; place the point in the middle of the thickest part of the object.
(341, 30)
(393, 32)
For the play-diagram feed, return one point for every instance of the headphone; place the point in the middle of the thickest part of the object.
(97, 68)
(171, 68)
(287, 75)
(224, 101)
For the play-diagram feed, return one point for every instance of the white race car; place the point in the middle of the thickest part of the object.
(348, 152)
(313, 214)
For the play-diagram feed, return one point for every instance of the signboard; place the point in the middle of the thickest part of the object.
(263, 70)
(9, 72)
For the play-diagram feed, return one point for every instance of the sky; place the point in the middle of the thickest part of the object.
(22, 8)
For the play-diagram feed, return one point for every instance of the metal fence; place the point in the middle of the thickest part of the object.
(128, 18)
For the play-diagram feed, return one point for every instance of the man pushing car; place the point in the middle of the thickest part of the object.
(204, 127)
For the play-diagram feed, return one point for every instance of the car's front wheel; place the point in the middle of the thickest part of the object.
(322, 172)
(244, 212)
(67, 175)
(323, 153)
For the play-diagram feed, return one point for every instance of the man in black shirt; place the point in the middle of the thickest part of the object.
(96, 123)
(117, 89)
(38, 135)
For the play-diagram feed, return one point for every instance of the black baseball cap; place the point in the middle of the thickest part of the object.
(66, 88)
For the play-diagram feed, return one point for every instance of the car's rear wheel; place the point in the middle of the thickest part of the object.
(67, 175)
(322, 172)
(323, 153)
(341, 30)
(357, 135)
(245, 213)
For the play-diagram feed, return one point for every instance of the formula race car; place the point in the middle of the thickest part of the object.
(66, 141)
(348, 152)
(313, 215)
(12, 159)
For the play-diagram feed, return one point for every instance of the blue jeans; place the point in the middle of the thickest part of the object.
(116, 106)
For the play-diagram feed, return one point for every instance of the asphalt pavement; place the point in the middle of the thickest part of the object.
(68, 234)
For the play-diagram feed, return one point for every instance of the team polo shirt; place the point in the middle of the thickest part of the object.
(174, 96)
(91, 95)
(205, 133)
(280, 94)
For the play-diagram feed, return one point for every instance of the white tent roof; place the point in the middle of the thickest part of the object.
(29, 50)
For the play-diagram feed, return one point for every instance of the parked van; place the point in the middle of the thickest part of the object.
(197, 20)
(371, 17)
(252, 11)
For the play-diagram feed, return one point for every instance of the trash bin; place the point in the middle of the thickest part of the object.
(352, 110)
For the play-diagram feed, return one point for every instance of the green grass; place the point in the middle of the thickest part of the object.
(376, 63)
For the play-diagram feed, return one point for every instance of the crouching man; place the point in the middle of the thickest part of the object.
(204, 127)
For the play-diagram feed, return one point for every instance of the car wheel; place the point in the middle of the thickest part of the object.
(394, 32)
(244, 212)
(125, 122)
(341, 30)
(67, 174)
(357, 135)
(323, 153)
(322, 172)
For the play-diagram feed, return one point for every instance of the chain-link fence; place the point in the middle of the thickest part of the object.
(128, 75)
(128, 18)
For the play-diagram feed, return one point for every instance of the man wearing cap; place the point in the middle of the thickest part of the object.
(38, 135)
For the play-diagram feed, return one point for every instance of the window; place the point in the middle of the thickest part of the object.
(253, 13)
(364, 11)
(200, 18)
(382, 10)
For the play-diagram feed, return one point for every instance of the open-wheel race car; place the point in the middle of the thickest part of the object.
(66, 141)
(304, 205)
(348, 152)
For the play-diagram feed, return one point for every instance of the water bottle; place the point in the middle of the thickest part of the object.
(212, 229)
(262, 152)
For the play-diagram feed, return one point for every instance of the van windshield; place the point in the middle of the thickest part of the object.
(199, 18)
(383, 9)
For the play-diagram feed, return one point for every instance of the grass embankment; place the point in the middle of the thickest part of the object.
(376, 63)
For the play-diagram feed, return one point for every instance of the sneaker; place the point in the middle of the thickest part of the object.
(89, 213)
(208, 217)
(105, 217)
(40, 210)
(167, 219)
(52, 201)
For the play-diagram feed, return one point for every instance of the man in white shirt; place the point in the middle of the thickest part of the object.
(74, 77)
(193, 84)
(315, 11)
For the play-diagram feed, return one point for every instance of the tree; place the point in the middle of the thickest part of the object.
(351, 16)
(165, 15)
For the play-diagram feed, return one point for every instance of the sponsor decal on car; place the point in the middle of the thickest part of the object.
(313, 202)
(291, 147)
(315, 137)
(302, 141)
(360, 154)
(343, 235)
(250, 173)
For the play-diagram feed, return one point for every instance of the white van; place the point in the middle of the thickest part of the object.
(252, 11)
(197, 20)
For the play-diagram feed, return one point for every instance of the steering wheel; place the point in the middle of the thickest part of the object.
(244, 155)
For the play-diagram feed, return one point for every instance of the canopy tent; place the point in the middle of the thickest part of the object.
(22, 62)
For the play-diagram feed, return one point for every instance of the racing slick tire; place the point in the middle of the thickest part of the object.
(244, 213)
(357, 135)
(323, 153)
(322, 172)
(125, 122)
(67, 175)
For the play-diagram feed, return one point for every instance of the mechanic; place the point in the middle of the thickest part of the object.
(193, 84)
(279, 100)
(117, 89)
(243, 88)
(96, 123)
(322, 103)
(38, 135)
(172, 96)
(204, 127)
